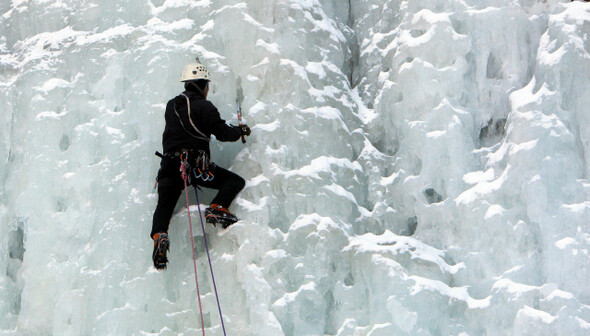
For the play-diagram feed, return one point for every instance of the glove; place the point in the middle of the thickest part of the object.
(245, 130)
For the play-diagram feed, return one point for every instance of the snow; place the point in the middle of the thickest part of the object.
(415, 168)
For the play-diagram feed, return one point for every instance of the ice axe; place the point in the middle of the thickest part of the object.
(239, 99)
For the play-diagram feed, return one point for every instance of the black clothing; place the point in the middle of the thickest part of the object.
(170, 187)
(204, 116)
(179, 136)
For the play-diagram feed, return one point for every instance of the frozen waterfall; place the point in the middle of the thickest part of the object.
(415, 167)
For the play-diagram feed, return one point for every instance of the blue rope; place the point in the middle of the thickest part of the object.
(210, 265)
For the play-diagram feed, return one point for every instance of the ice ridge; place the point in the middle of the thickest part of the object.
(415, 168)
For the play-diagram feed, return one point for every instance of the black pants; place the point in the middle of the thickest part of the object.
(171, 185)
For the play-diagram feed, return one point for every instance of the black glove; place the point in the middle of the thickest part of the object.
(245, 130)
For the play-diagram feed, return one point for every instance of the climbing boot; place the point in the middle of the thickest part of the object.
(161, 248)
(216, 214)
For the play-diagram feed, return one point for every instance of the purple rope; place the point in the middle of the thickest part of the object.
(183, 169)
(209, 257)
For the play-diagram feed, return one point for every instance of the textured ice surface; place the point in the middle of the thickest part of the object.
(415, 168)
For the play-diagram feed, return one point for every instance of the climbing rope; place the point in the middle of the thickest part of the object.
(184, 167)
(209, 258)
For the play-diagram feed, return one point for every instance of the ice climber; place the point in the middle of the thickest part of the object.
(190, 121)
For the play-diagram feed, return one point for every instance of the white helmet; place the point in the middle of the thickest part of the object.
(193, 72)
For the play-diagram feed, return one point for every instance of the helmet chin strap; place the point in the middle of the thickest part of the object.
(199, 90)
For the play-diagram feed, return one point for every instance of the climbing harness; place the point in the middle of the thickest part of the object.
(202, 171)
(184, 168)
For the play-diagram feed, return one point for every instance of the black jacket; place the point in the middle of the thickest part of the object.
(203, 115)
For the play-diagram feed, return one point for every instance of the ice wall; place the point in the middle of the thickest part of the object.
(415, 168)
